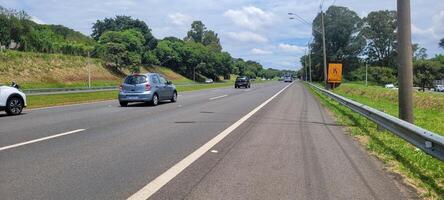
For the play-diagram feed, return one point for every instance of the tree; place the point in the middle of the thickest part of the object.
(343, 43)
(441, 43)
(200, 34)
(196, 33)
(419, 53)
(425, 73)
(122, 23)
(123, 49)
(211, 40)
(379, 31)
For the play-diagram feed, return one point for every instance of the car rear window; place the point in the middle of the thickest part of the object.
(240, 78)
(135, 79)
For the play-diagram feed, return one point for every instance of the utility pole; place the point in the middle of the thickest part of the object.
(325, 52)
(405, 65)
(305, 66)
(309, 60)
(366, 74)
(89, 71)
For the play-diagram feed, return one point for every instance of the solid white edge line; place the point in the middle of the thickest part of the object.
(155, 185)
(218, 97)
(40, 139)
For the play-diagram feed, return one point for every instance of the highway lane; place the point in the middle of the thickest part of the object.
(120, 150)
(290, 149)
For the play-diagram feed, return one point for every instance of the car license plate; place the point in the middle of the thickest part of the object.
(132, 97)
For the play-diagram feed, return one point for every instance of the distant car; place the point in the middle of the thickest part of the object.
(209, 80)
(389, 86)
(439, 88)
(12, 100)
(151, 88)
(288, 79)
(242, 81)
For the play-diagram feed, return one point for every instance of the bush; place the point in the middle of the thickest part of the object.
(379, 75)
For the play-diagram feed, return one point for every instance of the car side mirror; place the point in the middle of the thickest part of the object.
(169, 82)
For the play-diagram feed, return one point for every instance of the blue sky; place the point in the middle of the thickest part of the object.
(250, 29)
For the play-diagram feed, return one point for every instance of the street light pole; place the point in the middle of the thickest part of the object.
(405, 65)
(325, 53)
(305, 66)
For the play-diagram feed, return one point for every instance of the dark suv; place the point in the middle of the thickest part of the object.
(242, 81)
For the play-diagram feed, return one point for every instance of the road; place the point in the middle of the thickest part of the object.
(285, 148)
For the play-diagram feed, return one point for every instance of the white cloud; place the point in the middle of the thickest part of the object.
(291, 48)
(37, 20)
(250, 17)
(247, 36)
(260, 51)
(180, 19)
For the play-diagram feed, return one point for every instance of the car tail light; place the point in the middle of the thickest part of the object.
(147, 87)
(120, 88)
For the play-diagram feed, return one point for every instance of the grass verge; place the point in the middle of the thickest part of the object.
(419, 170)
(75, 98)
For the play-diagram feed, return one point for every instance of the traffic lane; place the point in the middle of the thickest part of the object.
(291, 149)
(45, 122)
(116, 160)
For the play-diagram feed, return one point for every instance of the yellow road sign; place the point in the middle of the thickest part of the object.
(334, 72)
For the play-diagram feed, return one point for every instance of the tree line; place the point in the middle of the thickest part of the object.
(371, 40)
(125, 43)
(26, 35)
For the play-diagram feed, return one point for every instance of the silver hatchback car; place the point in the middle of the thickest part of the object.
(151, 88)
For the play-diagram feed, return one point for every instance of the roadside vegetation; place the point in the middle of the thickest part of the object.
(36, 55)
(420, 170)
(370, 40)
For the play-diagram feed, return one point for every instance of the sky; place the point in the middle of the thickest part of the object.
(249, 29)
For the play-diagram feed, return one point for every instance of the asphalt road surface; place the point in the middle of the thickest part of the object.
(285, 148)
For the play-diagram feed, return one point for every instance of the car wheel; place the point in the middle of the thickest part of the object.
(174, 98)
(123, 103)
(14, 106)
(155, 100)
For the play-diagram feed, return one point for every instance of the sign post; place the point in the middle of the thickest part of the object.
(334, 76)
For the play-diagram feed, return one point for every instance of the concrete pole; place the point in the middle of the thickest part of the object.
(309, 60)
(405, 65)
(305, 66)
(325, 52)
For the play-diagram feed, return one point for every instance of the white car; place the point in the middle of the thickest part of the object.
(209, 80)
(439, 88)
(12, 100)
(389, 86)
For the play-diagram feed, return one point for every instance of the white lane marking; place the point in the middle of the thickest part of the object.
(214, 151)
(40, 139)
(218, 97)
(69, 105)
(172, 172)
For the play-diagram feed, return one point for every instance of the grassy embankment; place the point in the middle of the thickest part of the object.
(420, 170)
(38, 70)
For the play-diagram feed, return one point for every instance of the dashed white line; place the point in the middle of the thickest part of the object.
(40, 139)
(175, 170)
(218, 97)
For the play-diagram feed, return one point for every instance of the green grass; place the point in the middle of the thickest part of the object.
(419, 169)
(75, 98)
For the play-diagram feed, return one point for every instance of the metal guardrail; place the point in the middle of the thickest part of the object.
(48, 91)
(429, 142)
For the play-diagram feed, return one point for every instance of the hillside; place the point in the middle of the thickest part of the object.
(40, 70)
